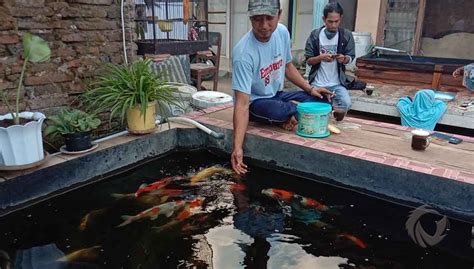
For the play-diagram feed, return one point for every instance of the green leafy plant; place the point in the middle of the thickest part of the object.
(70, 121)
(123, 87)
(35, 50)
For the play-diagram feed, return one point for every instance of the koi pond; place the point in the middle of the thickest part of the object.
(187, 210)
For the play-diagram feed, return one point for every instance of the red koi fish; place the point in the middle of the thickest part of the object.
(358, 242)
(278, 194)
(308, 202)
(238, 187)
(148, 188)
(166, 209)
(145, 188)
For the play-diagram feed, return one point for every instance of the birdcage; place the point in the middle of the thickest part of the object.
(171, 26)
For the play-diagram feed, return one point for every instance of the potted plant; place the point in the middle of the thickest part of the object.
(134, 92)
(20, 133)
(75, 126)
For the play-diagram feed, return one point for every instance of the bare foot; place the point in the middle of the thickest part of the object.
(290, 125)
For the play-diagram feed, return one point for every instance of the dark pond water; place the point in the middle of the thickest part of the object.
(237, 226)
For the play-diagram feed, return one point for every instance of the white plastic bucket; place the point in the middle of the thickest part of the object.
(362, 42)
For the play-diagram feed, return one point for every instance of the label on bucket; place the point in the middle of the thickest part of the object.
(313, 125)
(468, 80)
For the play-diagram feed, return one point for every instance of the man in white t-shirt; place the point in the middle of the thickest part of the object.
(327, 51)
(261, 61)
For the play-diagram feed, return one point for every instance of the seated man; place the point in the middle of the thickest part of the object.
(261, 60)
(327, 51)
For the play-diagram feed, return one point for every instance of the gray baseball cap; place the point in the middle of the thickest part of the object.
(264, 7)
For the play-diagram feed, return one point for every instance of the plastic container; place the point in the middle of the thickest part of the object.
(313, 119)
(362, 41)
(183, 94)
(468, 78)
(205, 99)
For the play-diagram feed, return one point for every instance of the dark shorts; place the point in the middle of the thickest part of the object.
(279, 109)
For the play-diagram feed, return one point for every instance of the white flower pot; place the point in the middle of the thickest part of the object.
(22, 144)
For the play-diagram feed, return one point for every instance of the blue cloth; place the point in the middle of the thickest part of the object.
(279, 109)
(423, 112)
(259, 68)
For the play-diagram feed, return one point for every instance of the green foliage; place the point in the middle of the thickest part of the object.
(35, 50)
(123, 87)
(70, 121)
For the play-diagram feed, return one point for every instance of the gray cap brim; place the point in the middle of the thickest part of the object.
(264, 11)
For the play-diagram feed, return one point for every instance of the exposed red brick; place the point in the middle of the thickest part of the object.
(47, 79)
(91, 50)
(83, 12)
(29, 3)
(76, 37)
(32, 11)
(92, 2)
(6, 25)
(9, 39)
(96, 24)
(54, 100)
(64, 52)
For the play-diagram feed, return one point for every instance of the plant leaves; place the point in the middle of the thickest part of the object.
(36, 49)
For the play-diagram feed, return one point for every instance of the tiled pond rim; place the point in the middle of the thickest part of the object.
(390, 178)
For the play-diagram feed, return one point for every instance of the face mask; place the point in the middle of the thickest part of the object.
(329, 34)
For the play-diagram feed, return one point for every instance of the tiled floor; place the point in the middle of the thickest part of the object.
(384, 100)
(368, 140)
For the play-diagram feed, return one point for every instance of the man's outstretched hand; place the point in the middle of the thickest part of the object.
(236, 160)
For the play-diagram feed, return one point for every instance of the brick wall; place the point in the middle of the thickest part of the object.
(82, 34)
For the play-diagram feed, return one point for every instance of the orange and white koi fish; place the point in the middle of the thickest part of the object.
(166, 209)
(309, 202)
(288, 196)
(89, 218)
(181, 216)
(278, 194)
(156, 192)
(209, 172)
(357, 241)
(83, 255)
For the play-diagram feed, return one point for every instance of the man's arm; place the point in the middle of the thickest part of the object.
(292, 74)
(349, 50)
(241, 121)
